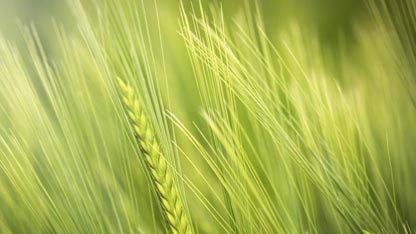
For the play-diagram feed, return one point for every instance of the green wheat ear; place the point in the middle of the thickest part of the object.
(161, 174)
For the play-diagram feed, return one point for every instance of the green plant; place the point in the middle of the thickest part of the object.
(160, 171)
(262, 130)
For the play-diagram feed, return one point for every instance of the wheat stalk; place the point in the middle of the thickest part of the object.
(161, 174)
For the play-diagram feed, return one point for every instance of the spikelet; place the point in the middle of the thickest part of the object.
(156, 162)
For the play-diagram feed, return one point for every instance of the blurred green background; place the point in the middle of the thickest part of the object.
(331, 17)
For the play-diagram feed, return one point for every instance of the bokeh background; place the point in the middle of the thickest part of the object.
(331, 18)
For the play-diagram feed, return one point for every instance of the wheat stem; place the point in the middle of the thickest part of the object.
(160, 172)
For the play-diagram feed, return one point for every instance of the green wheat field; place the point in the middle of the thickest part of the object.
(205, 117)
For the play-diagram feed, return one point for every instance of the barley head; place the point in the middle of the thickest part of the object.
(160, 172)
